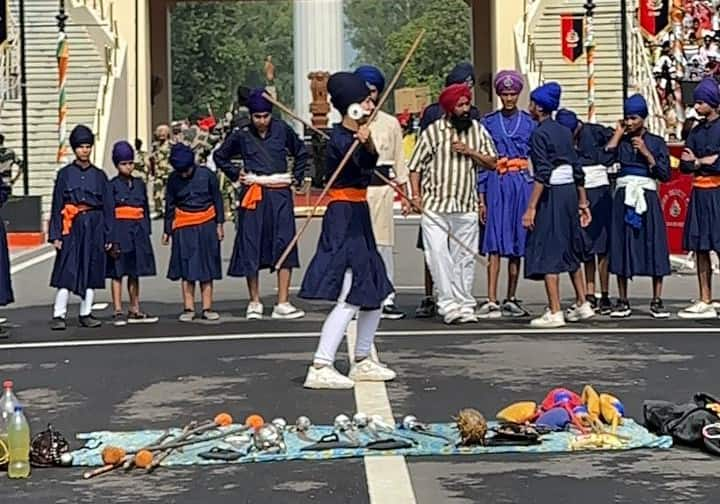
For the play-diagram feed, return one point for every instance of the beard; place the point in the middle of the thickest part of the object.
(461, 123)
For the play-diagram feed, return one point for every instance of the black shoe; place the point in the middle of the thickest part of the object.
(4, 333)
(391, 312)
(58, 324)
(119, 319)
(427, 308)
(89, 321)
(621, 309)
(604, 306)
(590, 298)
(657, 309)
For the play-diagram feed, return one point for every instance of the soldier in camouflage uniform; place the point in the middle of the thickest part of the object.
(160, 166)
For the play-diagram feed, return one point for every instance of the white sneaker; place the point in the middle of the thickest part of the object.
(369, 370)
(286, 311)
(452, 317)
(254, 311)
(327, 377)
(577, 313)
(699, 310)
(549, 320)
(489, 310)
(3, 320)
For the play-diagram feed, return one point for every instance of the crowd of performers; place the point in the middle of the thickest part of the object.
(531, 187)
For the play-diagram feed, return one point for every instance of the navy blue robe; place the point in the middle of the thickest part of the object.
(133, 236)
(195, 252)
(6, 292)
(639, 251)
(702, 222)
(80, 263)
(555, 244)
(263, 233)
(347, 239)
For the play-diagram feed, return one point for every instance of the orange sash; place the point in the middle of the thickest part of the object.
(505, 165)
(351, 194)
(183, 218)
(253, 196)
(69, 212)
(706, 181)
(129, 213)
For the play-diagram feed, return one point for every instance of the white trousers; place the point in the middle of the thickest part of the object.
(451, 266)
(386, 252)
(61, 303)
(336, 324)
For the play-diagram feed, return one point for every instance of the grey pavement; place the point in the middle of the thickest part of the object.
(234, 366)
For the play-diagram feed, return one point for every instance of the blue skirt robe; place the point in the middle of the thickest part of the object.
(702, 222)
(596, 235)
(136, 252)
(506, 199)
(6, 292)
(195, 253)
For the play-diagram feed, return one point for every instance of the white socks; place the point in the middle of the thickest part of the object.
(61, 302)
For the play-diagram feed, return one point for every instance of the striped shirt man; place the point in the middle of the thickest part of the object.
(448, 179)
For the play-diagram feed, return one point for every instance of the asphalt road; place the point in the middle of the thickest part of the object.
(166, 374)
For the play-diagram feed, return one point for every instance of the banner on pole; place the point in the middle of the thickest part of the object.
(3, 22)
(653, 17)
(571, 34)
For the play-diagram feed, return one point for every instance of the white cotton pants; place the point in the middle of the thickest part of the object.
(451, 266)
(61, 303)
(386, 252)
(333, 330)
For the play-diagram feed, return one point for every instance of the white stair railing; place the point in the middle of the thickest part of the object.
(525, 46)
(10, 63)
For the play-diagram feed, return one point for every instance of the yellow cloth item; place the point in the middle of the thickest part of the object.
(408, 144)
(609, 410)
(591, 400)
(602, 441)
(519, 412)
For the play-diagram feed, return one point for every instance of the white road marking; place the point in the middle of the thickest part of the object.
(25, 253)
(314, 334)
(388, 478)
(17, 268)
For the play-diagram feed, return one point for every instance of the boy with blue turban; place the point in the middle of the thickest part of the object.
(590, 141)
(266, 213)
(194, 218)
(134, 257)
(554, 241)
(347, 268)
(701, 233)
(387, 138)
(81, 229)
(6, 292)
(638, 241)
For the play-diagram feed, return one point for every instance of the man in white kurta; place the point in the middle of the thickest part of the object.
(387, 137)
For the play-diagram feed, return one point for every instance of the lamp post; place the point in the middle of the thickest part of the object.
(23, 100)
(590, 57)
(62, 62)
(624, 48)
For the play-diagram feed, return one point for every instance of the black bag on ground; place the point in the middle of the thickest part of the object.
(684, 422)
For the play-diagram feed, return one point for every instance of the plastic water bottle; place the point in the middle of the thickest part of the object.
(8, 401)
(19, 445)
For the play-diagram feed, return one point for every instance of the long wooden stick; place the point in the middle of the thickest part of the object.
(292, 114)
(349, 153)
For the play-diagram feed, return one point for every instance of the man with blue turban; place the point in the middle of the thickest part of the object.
(638, 241)
(266, 214)
(590, 141)
(558, 196)
(81, 229)
(387, 137)
(701, 233)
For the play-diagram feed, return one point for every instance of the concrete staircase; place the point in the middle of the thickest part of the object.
(573, 76)
(84, 79)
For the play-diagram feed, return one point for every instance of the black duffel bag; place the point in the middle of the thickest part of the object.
(684, 422)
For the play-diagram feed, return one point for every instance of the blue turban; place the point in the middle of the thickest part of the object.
(122, 151)
(547, 96)
(371, 75)
(346, 88)
(182, 157)
(81, 135)
(462, 73)
(567, 118)
(257, 103)
(635, 106)
(707, 91)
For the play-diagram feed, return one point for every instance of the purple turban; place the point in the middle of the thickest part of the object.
(707, 91)
(346, 88)
(371, 75)
(547, 96)
(509, 81)
(182, 157)
(122, 151)
(636, 106)
(567, 118)
(257, 103)
(81, 135)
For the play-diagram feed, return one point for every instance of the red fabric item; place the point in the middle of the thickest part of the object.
(207, 123)
(451, 95)
(560, 398)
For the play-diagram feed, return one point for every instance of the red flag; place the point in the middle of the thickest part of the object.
(571, 36)
(654, 17)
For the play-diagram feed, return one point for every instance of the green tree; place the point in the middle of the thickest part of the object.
(385, 43)
(218, 46)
